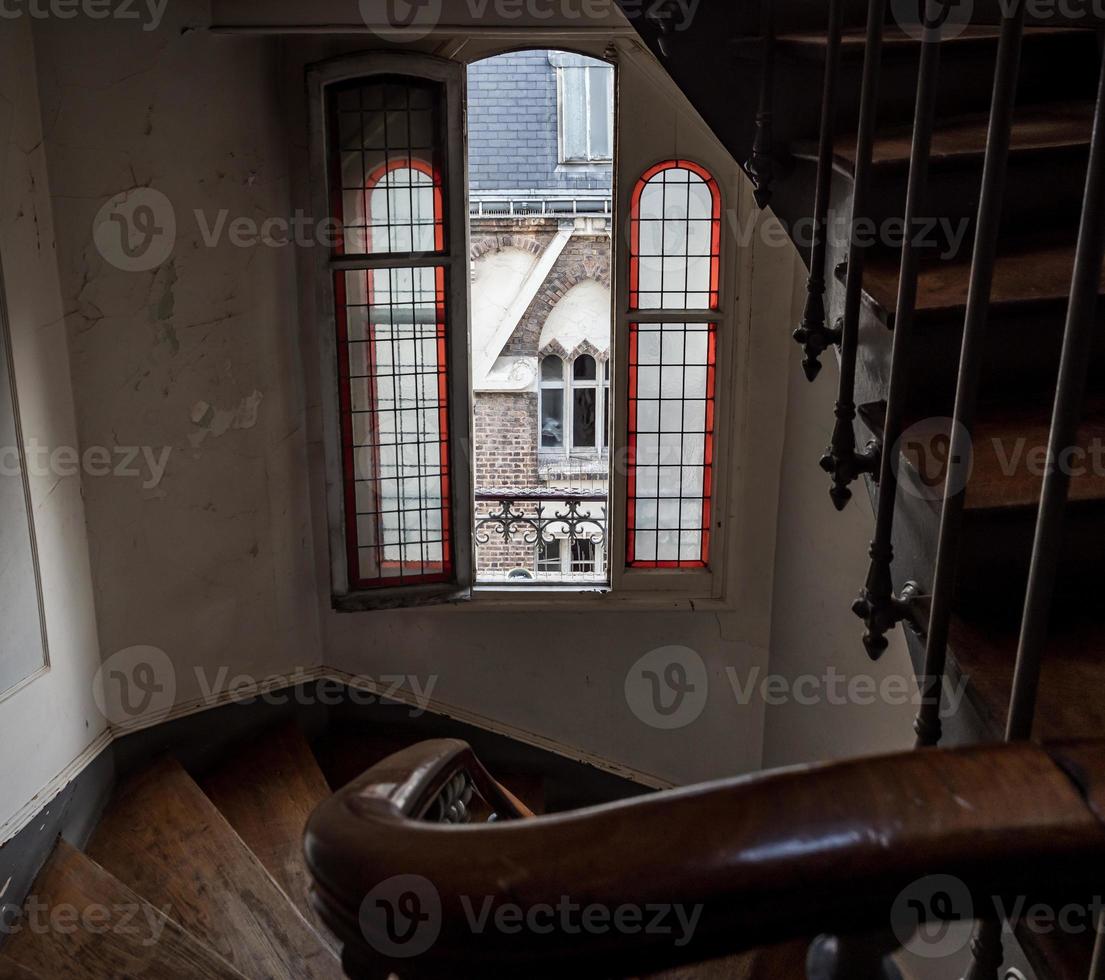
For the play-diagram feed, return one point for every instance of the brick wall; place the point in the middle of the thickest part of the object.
(505, 424)
(505, 440)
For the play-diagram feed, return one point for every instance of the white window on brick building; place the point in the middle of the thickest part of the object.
(575, 406)
(585, 97)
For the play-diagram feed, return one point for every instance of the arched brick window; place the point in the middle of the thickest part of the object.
(675, 244)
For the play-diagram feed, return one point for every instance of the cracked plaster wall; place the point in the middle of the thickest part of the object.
(213, 356)
(195, 360)
(49, 722)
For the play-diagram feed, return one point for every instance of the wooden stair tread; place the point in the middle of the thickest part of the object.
(1009, 444)
(267, 791)
(165, 839)
(853, 41)
(785, 961)
(1025, 275)
(10, 970)
(1069, 703)
(128, 937)
(343, 756)
(1040, 128)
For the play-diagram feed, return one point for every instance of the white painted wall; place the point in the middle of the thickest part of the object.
(214, 356)
(52, 721)
(820, 566)
(497, 278)
(581, 315)
(197, 357)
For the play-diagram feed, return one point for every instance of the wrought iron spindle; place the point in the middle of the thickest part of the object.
(987, 233)
(841, 460)
(1078, 338)
(812, 333)
(761, 165)
(1097, 964)
(878, 605)
(986, 951)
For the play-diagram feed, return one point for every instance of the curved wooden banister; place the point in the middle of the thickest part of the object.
(762, 858)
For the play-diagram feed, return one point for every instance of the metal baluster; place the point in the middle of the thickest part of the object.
(812, 333)
(986, 951)
(1070, 393)
(877, 605)
(1097, 964)
(1078, 337)
(761, 165)
(987, 233)
(841, 460)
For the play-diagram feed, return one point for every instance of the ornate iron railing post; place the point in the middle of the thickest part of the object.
(761, 164)
(878, 606)
(812, 333)
(841, 460)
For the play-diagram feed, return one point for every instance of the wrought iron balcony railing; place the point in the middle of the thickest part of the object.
(541, 536)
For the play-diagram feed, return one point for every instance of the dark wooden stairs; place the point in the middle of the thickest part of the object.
(203, 878)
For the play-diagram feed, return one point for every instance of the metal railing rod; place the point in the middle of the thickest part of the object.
(761, 164)
(812, 333)
(841, 460)
(987, 233)
(877, 605)
(1078, 338)
(1097, 964)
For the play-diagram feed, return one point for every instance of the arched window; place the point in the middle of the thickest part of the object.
(552, 402)
(574, 410)
(675, 246)
(585, 398)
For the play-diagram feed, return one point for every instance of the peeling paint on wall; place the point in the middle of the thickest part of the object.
(217, 422)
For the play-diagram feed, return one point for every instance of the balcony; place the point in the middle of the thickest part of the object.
(540, 537)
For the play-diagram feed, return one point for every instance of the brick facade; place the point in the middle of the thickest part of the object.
(513, 146)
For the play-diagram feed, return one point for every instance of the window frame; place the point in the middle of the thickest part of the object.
(589, 160)
(451, 75)
(551, 384)
(691, 582)
(567, 386)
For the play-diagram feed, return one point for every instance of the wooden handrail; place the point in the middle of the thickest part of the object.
(752, 860)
